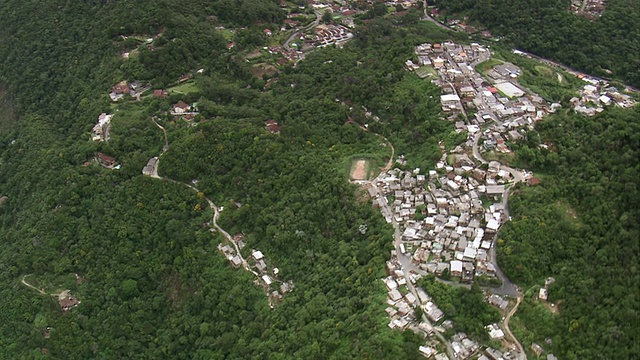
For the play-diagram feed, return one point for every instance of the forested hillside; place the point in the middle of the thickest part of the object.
(607, 46)
(136, 251)
(580, 226)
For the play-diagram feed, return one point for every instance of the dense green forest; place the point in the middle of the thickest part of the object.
(465, 307)
(607, 46)
(580, 226)
(150, 280)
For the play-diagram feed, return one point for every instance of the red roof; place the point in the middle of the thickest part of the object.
(121, 88)
(492, 89)
(106, 159)
(230, 45)
(282, 61)
(160, 93)
(184, 77)
(534, 181)
(182, 105)
(272, 126)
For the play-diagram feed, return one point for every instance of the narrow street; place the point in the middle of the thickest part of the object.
(429, 18)
(521, 354)
(507, 287)
(296, 34)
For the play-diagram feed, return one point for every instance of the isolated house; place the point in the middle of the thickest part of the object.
(181, 107)
(121, 88)
(272, 126)
(160, 93)
(106, 159)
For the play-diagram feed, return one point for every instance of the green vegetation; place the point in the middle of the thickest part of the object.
(580, 226)
(606, 47)
(426, 71)
(466, 308)
(534, 323)
(485, 66)
(154, 284)
(184, 88)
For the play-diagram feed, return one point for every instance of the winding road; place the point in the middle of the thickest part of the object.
(507, 287)
(297, 33)
(521, 355)
(429, 18)
(31, 286)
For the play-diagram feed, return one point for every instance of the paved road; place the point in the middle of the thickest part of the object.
(518, 176)
(296, 34)
(429, 18)
(507, 287)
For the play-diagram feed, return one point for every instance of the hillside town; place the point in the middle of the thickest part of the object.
(596, 95)
(446, 219)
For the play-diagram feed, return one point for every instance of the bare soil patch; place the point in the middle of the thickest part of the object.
(359, 170)
(259, 70)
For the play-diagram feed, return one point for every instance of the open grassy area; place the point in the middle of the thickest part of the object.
(184, 88)
(426, 71)
(543, 70)
(485, 66)
(503, 158)
(227, 34)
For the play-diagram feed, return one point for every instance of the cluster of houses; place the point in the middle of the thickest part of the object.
(287, 55)
(133, 89)
(496, 99)
(448, 218)
(493, 354)
(100, 131)
(402, 303)
(596, 95)
(266, 276)
(591, 9)
(331, 34)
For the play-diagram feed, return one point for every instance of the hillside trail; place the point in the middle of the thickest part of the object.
(521, 355)
(41, 291)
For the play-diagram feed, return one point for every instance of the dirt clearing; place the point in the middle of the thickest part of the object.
(258, 70)
(359, 170)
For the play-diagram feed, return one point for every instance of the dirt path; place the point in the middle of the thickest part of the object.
(216, 211)
(41, 291)
(31, 286)
(393, 150)
(164, 131)
(522, 355)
